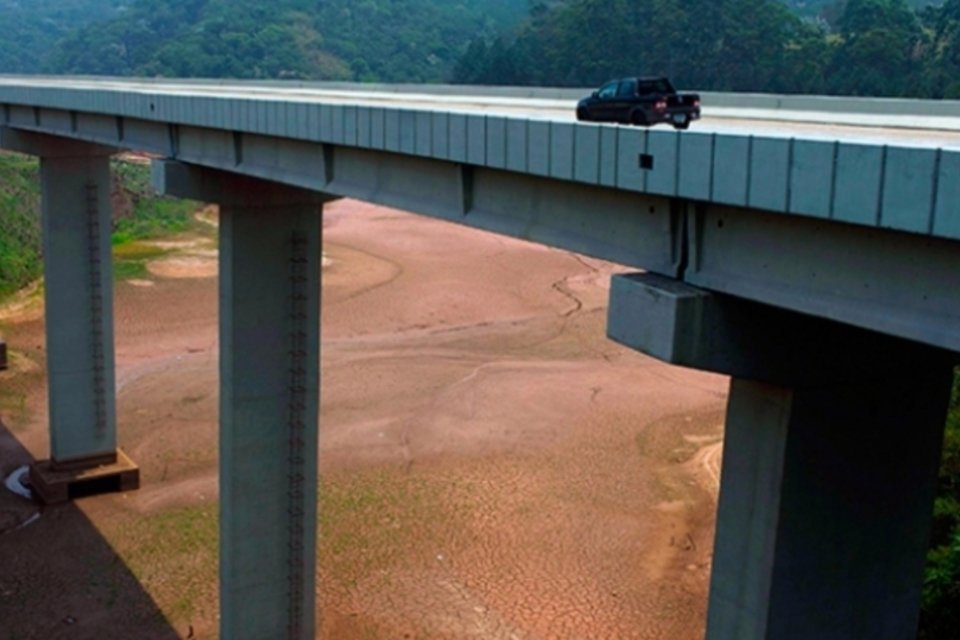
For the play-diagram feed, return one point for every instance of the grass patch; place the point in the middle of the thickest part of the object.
(940, 611)
(173, 554)
(368, 522)
(13, 406)
(18, 392)
(130, 259)
(130, 270)
(371, 521)
(20, 256)
(154, 217)
(135, 250)
(144, 215)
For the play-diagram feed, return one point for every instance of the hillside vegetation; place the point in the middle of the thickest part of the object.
(864, 47)
(20, 259)
(940, 617)
(365, 40)
(855, 47)
(31, 28)
(823, 9)
(138, 214)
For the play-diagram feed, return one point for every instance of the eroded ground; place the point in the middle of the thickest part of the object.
(492, 466)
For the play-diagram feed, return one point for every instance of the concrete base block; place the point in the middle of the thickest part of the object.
(54, 484)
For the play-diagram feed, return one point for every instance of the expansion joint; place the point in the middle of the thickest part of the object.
(95, 263)
(296, 430)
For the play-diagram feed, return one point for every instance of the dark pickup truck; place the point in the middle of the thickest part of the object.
(640, 101)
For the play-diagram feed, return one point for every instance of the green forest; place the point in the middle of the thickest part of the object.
(31, 28)
(857, 47)
(361, 40)
(846, 47)
(940, 616)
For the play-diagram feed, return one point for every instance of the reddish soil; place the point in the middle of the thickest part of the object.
(493, 466)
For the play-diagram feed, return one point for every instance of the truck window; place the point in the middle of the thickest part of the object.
(628, 88)
(660, 85)
(608, 90)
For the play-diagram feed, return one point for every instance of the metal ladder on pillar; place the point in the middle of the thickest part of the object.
(296, 429)
(94, 259)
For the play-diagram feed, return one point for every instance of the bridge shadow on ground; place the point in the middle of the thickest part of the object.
(59, 577)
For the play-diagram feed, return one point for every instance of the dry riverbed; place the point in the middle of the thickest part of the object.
(492, 466)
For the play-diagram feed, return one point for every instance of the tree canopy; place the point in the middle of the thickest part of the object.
(858, 47)
(364, 40)
(32, 27)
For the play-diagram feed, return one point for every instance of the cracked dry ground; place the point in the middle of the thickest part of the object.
(492, 466)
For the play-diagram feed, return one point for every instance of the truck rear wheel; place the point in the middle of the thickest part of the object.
(638, 117)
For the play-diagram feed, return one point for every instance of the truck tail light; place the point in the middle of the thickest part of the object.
(661, 105)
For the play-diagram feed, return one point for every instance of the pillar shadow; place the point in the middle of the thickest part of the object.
(59, 578)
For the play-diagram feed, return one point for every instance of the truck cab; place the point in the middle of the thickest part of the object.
(640, 101)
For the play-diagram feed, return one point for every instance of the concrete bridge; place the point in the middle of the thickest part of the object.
(818, 268)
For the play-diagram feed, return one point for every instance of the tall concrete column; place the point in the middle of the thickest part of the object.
(270, 251)
(831, 451)
(78, 293)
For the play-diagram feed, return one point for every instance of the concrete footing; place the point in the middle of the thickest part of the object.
(831, 451)
(52, 483)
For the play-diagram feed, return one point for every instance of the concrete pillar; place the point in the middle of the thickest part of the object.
(270, 251)
(78, 293)
(831, 452)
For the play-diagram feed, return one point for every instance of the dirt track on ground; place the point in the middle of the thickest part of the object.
(492, 466)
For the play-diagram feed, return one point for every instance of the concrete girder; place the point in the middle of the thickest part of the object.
(839, 248)
(886, 281)
(831, 451)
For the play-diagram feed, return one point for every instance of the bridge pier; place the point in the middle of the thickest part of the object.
(78, 296)
(832, 445)
(270, 251)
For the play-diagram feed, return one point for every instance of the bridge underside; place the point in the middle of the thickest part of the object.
(833, 429)
(827, 238)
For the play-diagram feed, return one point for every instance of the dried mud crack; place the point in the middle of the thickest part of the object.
(492, 466)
